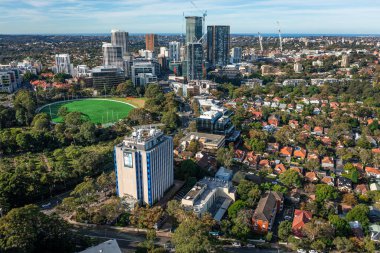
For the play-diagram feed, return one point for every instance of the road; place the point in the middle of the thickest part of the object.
(128, 242)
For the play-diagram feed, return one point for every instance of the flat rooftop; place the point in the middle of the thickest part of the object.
(204, 138)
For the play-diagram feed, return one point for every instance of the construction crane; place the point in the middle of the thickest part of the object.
(261, 43)
(204, 15)
(279, 35)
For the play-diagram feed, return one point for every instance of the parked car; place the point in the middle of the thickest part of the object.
(236, 244)
(249, 245)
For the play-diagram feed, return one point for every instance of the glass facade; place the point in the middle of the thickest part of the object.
(218, 45)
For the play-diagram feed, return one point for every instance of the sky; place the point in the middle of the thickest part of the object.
(166, 16)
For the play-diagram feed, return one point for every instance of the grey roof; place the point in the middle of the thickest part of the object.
(266, 205)
(110, 246)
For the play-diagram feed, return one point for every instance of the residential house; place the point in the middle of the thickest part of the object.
(274, 120)
(372, 172)
(279, 169)
(311, 177)
(312, 156)
(328, 163)
(264, 216)
(286, 152)
(273, 147)
(251, 159)
(301, 217)
(293, 124)
(375, 232)
(328, 180)
(356, 228)
(361, 189)
(374, 187)
(344, 184)
(299, 153)
(318, 130)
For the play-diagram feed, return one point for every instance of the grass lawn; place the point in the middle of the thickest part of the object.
(96, 110)
(138, 102)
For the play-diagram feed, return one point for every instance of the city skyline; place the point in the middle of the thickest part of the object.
(99, 16)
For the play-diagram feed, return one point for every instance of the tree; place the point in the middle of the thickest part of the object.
(25, 106)
(285, 136)
(188, 169)
(225, 156)
(146, 217)
(341, 226)
(171, 120)
(192, 235)
(325, 192)
(369, 245)
(126, 89)
(350, 199)
(291, 178)
(244, 188)
(343, 244)
(26, 229)
(41, 122)
(318, 228)
(359, 213)
(234, 209)
(284, 230)
(242, 224)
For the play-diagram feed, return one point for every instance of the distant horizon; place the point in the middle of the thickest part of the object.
(179, 34)
(147, 16)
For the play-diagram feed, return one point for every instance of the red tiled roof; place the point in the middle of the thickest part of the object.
(301, 217)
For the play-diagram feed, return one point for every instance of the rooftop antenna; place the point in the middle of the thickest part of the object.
(279, 35)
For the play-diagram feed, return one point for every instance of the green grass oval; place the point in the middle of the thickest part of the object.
(96, 110)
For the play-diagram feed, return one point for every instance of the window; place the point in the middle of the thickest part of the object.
(128, 160)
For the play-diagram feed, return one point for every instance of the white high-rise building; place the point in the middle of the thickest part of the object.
(62, 64)
(298, 68)
(112, 55)
(144, 165)
(236, 53)
(174, 51)
(120, 38)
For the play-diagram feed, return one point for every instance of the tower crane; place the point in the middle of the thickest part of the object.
(279, 35)
(204, 15)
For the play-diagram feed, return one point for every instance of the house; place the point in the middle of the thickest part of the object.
(328, 162)
(318, 130)
(356, 228)
(361, 189)
(273, 147)
(251, 159)
(264, 163)
(311, 176)
(374, 187)
(344, 184)
(279, 169)
(299, 153)
(301, 217)
(293, 124)
(224, 174)
(372, 172)
(239, 155)
(312, 156)
(265, 213)
(286, 152)
(375, 232)
(273, 120)
(328, 180)
(295, 196)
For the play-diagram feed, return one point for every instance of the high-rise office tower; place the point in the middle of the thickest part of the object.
(120, 38)
(345, 61)
(218, 45)
(194, 29)
(174, 51)
(150, 42)
(236, 54)
(112, 55)
(144, 165)
(194, 61)
(62, 64)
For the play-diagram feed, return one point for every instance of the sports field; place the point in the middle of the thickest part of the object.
(96, 110)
